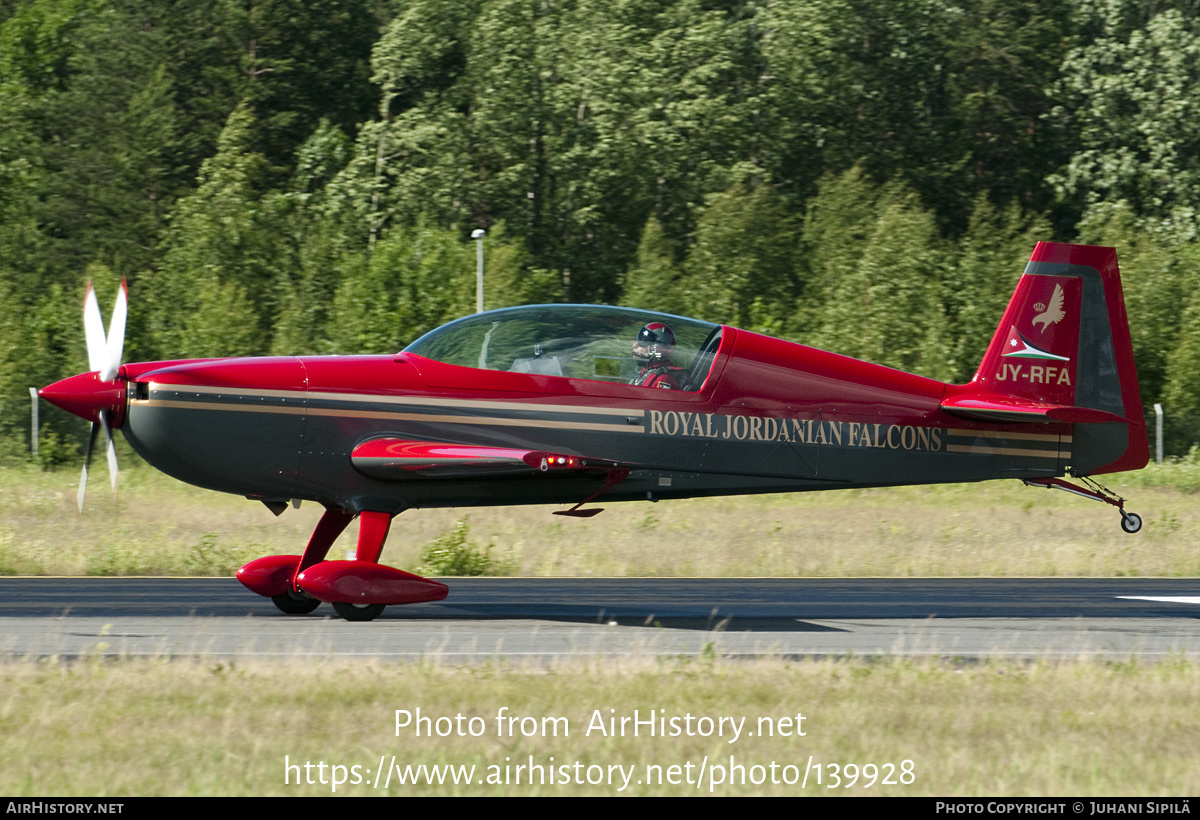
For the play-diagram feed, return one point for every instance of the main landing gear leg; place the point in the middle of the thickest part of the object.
(360, 589)
(1130, 522)
(372, 532)
(277, 576)
(295, 601)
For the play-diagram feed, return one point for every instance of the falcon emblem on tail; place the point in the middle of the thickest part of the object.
(1054, 313)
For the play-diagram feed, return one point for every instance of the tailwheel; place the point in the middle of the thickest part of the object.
(358, 612)
(294, 602)
(1130, 522)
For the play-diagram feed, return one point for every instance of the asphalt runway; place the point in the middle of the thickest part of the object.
(546, 619)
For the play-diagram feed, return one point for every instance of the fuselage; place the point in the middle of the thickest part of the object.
(770, 416)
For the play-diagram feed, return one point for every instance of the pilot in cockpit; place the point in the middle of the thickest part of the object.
(652, 349)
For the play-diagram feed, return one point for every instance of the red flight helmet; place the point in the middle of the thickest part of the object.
(655, 342)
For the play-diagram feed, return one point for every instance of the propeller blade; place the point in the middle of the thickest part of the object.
(86, 461)
(116, 334)
(110, 452)
(93, 329)
(104, 356)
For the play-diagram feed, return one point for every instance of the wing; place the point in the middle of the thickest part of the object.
(394, 459)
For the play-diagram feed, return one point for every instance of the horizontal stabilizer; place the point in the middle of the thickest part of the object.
(393, 459)
(996, 408)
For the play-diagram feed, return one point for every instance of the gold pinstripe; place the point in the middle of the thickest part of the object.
(1006, 451)
(963, 432)
(363, 398)
(381, 414)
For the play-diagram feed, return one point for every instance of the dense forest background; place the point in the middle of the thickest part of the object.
(282, 176)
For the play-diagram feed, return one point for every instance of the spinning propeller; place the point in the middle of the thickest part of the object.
(104, 356)
(98, 396)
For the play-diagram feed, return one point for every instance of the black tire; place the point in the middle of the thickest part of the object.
(1131, 522)
(295, 603)
(358, 612)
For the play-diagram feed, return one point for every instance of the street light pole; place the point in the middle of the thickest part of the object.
(1158, 414)
(33, 422)
(478, 234)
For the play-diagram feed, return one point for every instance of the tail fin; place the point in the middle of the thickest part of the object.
(1062, 353)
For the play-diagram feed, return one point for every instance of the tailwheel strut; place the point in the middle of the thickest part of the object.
(1130, 522)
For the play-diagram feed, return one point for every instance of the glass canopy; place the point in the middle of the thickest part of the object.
(573, 341)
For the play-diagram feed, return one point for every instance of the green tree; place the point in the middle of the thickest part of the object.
(1181, 391)
(317, 232)
(654, 281)
(837, 225)
(89, 129)
(948, 97)
(1128, 100)
(981, 273)
(415, 279)
(217, 278)
(294, 62)
(878, 267)
(1159, 277)
(741, 269)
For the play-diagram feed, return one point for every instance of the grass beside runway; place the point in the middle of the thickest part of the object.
(998, 728)
(159, 526)
(115, 729)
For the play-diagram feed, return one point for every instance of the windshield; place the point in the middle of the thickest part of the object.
(576, 342)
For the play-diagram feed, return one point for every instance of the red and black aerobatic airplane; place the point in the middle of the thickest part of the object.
(564, 404)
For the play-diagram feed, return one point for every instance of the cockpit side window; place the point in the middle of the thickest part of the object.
(702, 365)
